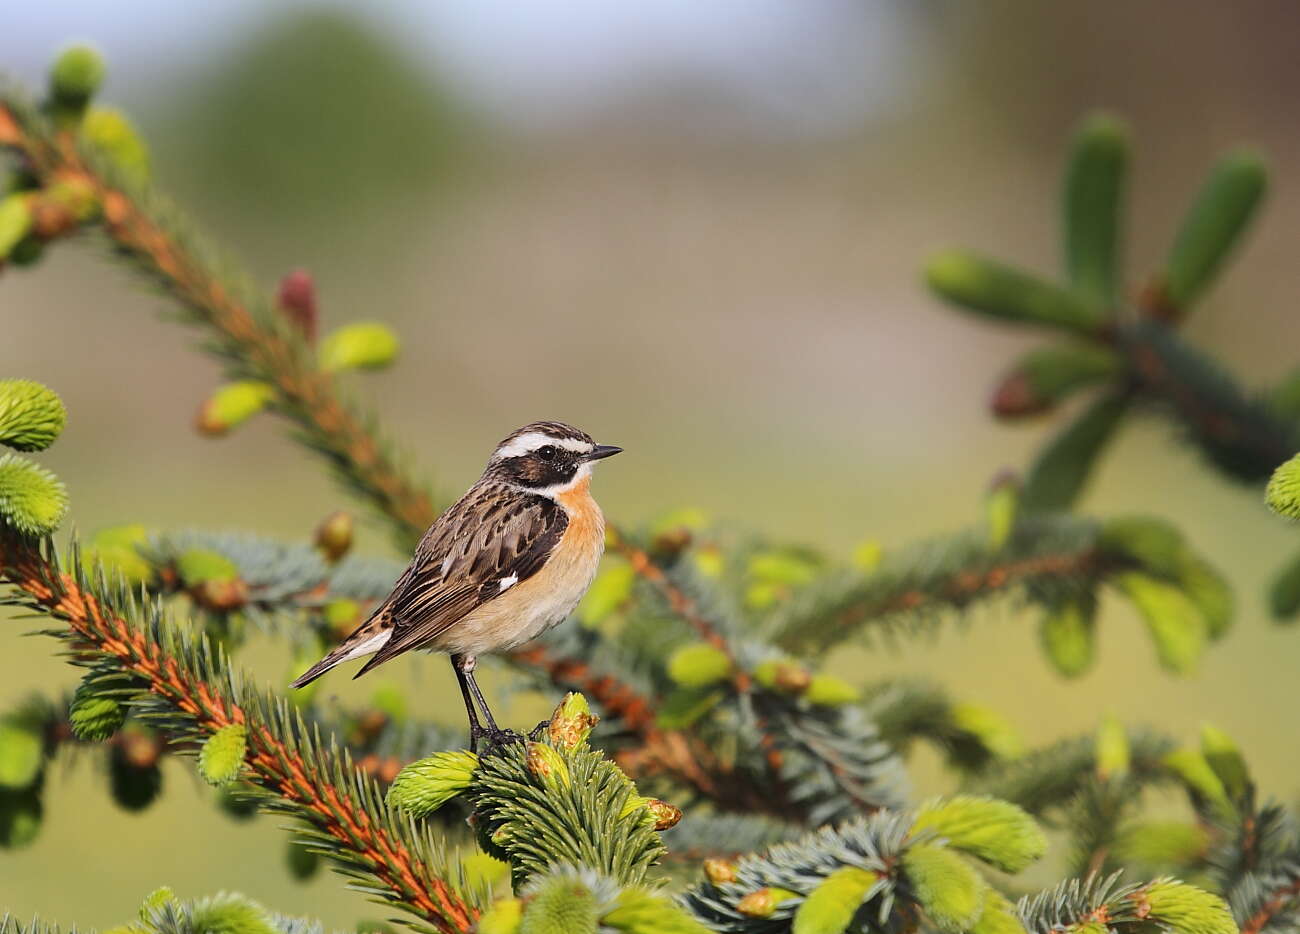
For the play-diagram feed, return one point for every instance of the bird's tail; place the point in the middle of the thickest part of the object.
(367, 639)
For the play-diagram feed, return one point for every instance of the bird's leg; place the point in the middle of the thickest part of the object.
(462, 678)
(495, 736)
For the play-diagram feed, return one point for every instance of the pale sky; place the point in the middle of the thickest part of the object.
(806, 66)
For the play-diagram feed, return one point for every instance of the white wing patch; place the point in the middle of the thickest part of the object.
(369, 647)
(507, 582)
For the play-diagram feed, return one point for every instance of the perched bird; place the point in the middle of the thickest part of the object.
(508, 561)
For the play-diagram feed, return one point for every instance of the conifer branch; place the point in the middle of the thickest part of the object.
(248, 334)
(192, 690)
(1244, 437)
(1045, 553)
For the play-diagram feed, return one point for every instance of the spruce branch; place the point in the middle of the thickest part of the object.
(1101, 903)
(191, 691)
(247, 332)
(1130, 349)
(1047, 553)
(904, 865)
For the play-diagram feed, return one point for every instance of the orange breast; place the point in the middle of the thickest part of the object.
(586, 527)
(534, 605)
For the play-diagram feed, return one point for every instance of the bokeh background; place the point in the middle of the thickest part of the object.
(694, 229)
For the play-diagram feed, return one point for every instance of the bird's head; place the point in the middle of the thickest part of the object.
(546, 457)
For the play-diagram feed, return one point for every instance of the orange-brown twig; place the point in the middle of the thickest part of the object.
(964, 586)
(273, 760)
(1281, 897)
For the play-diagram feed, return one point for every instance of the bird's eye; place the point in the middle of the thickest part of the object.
(546, 452)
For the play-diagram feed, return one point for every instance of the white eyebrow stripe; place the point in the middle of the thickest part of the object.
(536, 439)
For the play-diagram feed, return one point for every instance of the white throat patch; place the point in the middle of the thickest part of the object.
(551, 492)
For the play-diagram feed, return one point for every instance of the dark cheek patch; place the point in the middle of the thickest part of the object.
(534, 472)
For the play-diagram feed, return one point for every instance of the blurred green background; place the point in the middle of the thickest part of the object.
(693, 229)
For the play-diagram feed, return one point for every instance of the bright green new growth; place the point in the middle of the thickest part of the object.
(366, 345)
(560, 904)
(1176, 625)
(199, 566)
(1001, 507)
(1160, 843)
(222, 755)
(1152, 543)
(76, 76)
(1113, 751)
(109, 130)
(829, 908)
(984, 286)
(426, 785)
(1195, 772)
(948, 888)
(117, 549)
(533, 810)
(830, 691)
(997, 832)
(163, 913)
(235, 403)
(31, 415)
(991, 729)
(1212, 227)
(22, 753)
(698, 665)
(998, 917)
(15, 222)
(32, 500)
(1208, 589)
(502, 917)
(610, 590)
(1226, 760)
(158, 898)
(94, 716)
(1094, 188)
(1283, 491)
(1187, 909)
(640, 912)
(1068, 632)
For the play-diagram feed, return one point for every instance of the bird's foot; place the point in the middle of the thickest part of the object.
(536, 733)
(494, 740)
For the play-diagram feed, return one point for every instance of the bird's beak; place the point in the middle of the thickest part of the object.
(601, 451)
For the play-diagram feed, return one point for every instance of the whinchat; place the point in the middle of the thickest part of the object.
(507, 562)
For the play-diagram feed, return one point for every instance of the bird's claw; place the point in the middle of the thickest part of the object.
(494, 740)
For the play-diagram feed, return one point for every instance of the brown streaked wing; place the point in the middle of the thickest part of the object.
(494, 532)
